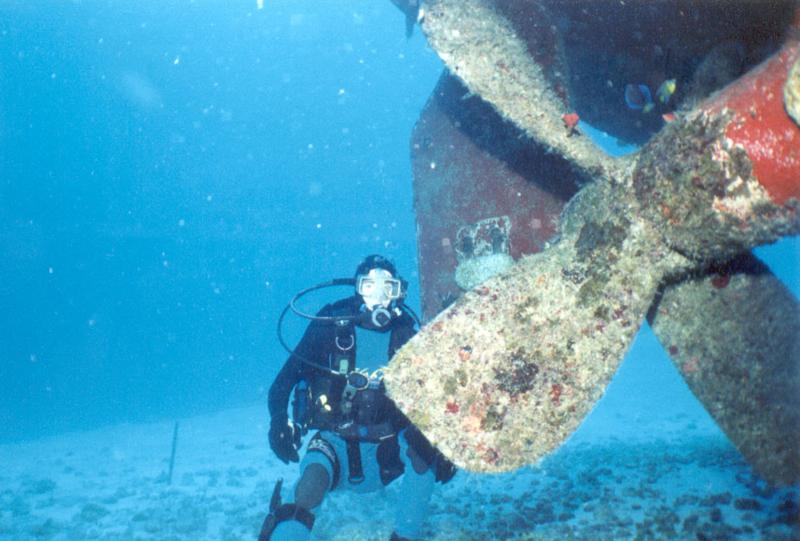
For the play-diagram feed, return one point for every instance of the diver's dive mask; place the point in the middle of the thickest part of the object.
(378, 288)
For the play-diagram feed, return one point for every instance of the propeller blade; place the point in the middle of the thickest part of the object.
(734, 334)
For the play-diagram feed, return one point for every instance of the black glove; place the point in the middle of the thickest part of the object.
(443, 468)
(284, 439)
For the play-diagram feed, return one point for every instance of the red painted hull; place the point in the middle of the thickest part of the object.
(461, 178)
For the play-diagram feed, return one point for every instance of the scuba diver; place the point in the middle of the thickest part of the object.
(362, 440)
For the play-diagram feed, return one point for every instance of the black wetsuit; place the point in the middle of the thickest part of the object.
(348, 421)
(324, 368)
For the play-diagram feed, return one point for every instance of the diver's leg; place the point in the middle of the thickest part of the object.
(415, 493)
(312, 486)
(293, 522)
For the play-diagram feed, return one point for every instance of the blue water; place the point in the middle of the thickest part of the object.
(171, 175)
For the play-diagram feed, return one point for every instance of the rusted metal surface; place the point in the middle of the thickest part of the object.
(470, 166)
(506, 374)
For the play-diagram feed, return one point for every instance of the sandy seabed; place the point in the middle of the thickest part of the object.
(619, 477)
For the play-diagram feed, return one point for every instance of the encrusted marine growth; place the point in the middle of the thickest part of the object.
(573, 331)
(740, 357)
(708, 204)
(791, 92)
(506, 374)
(497, 65)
